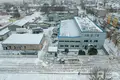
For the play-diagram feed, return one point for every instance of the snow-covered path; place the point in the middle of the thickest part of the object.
(43, 77)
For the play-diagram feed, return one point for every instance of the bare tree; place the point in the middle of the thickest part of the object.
(98, 73)
(116, 37)
(117, 41)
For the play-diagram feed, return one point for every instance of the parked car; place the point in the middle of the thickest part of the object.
(53, 36)
(44, 26)
(54, 41)
(29, 53)
(55, 30)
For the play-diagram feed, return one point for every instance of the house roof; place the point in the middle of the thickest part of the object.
(4, 31)
(26, 19)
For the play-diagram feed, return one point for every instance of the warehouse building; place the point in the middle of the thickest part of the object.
(24, 42)
(63, 13)
(100, 12)
(23, 23)
(80, 33)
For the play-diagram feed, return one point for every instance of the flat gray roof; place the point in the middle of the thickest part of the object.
(24, 39)
(68, 28)
(26, 19)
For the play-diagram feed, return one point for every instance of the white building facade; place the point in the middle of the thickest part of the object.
(80, 33)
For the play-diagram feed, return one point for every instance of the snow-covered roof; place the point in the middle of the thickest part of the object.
(4, 20)
(4, 31)
(33, 5)
(4, 25)
(116, 14)
(52, 49)
(86, 25)
(26, 19)
(73, 27)
(24, 39)
(99, 8)
(68, 28)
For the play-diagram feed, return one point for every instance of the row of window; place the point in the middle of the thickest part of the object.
(18, 47)
(91, 35)
(90, 46)
(79, 41)
(76, 46)
(68, 45)
(68, 41)
(90, 41)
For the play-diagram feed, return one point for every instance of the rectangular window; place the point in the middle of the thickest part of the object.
(87, 35)
(61, 45)
(72, 41)
(76, 45)
(72, 46)
(66, 45)
(95, 40)
(77, 41)
(66, 41)
(9, 47)
(85, 40)
(97, 35)
(90, 40)
(24, 47)
(5, 48)
(91, 35)
(14, 47)
(95, 46)
(61, 41)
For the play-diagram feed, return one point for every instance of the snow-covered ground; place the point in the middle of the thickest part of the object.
(43, 77)
(48, 64)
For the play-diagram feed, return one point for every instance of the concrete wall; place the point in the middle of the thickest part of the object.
(22, 46)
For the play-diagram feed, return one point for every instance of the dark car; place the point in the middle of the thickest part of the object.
(29, 53)
(54, 41)
(53, 36)
(44, 26)
(37, 30)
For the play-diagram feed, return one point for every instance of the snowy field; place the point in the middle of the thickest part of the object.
(43, 77)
